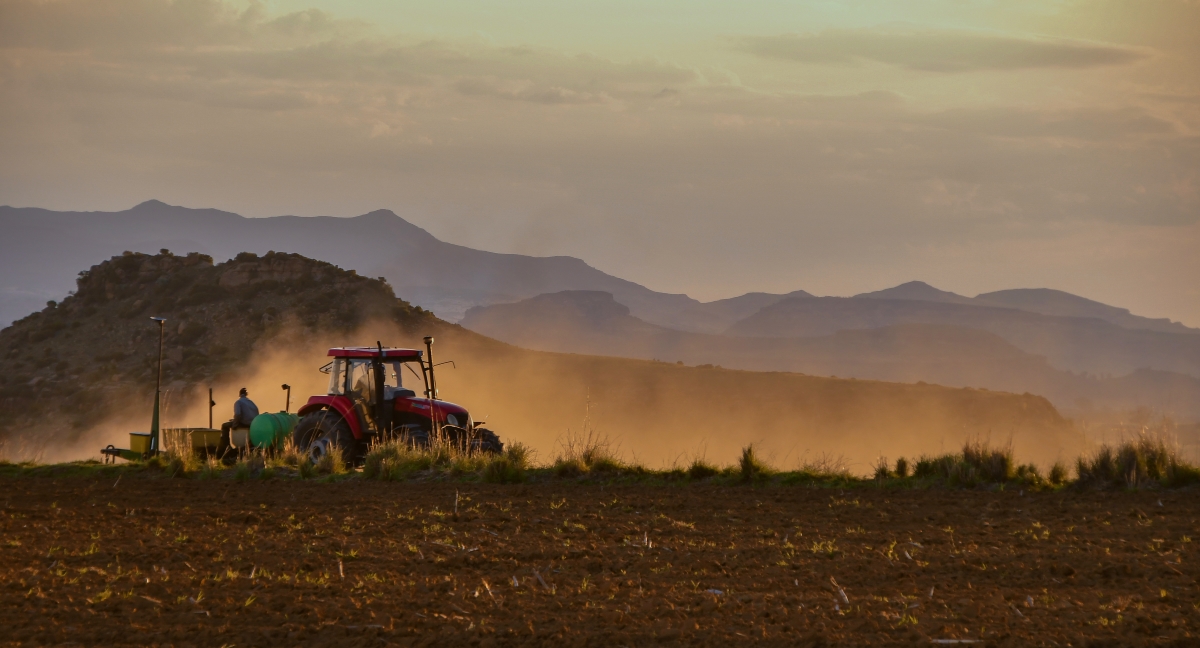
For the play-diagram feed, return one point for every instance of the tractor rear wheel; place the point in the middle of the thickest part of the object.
(319, 432)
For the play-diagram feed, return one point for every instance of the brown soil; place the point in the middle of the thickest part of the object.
(188, 562)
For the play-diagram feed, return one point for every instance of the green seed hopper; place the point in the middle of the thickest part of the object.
(271, 430)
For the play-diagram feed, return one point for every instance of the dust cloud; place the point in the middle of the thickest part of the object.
(655, 413)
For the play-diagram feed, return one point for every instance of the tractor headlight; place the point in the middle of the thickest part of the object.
(452, 419)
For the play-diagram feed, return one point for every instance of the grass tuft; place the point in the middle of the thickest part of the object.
(1143, 461)
(332, 462)
(242, 470)
(978, 464)
(1058, 473)
(751, 467)
(211, 468)
(881, 469)
(589, 452)
(509, 468)
(179, 461)
(701, 469)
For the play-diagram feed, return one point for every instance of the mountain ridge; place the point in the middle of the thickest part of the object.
(444, 277)
(594, 322)
(450, 277)
(1044, 301)
(1081, 344)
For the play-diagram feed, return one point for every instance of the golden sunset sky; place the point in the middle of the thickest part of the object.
(699, 147)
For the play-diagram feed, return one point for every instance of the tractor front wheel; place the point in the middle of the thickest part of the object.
(489, 441)
(319, 432)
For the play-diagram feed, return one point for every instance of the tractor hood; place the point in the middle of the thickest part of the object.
(442, 409)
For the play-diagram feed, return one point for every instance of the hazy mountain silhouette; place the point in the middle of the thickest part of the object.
(439, 276)
(1081, 344)
(42, 248)
(1057, 302)
(917, 291)
(594, 322)
(1034, 300)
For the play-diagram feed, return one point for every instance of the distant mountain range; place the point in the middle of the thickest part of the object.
(1084, 344)
(442, 277)
(956, 355)
(1033, 300)
(1048, 342)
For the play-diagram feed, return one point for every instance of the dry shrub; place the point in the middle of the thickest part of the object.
(1058, 473)
(824, 467)
(752, 467)
(978, 464)
(510, 467)
(332, 462)
(701, 469)
(287, 456)
(241, 471)
(881, 469)
(211, 469)
(993, 464)
(180, 461)
(1142, 461)
(378, 459)
(902, 467)
(398, 460)
(587, 452)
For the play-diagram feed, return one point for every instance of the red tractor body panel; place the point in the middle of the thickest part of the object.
(374, 352)
(339, 404)
(413, 405)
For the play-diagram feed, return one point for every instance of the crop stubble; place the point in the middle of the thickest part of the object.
(189, 562)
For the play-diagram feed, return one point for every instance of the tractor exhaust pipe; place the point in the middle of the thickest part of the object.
(383, 407)
(432, 382)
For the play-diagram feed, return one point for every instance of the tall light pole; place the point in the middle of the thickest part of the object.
(158, 387)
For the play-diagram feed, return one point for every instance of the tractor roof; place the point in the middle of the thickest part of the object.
(373, 352)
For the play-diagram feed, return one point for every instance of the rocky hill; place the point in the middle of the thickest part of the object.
(74, 363)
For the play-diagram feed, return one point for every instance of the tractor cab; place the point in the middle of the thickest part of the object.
(371, 399)
(371, 379)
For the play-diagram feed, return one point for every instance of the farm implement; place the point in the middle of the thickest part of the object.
(366, 402)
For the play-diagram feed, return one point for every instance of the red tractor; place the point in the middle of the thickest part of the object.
(367, 402)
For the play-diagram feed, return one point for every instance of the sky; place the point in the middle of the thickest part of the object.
(697, 147)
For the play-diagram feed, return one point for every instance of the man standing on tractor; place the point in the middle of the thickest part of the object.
(244, 411)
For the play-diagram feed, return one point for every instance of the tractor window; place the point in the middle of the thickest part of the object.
(392, 376)
(361, 382)
(337, 377)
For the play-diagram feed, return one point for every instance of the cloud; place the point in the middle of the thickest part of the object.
(937, 50)
(174, 24)
(206, 52)
(1090, 124)
(684, 177)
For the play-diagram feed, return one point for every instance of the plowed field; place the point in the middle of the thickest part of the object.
(188, 562)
